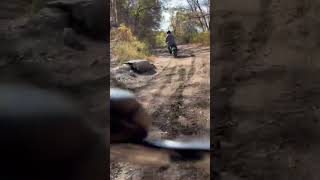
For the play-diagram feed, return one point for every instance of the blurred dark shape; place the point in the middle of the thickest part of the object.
(70, 39)
(48, 19)
(87, 16)
(44, 134)
(27, 73)
(129, 121)
(130, 124)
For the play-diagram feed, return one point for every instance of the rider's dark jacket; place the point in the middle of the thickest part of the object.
(170, 40)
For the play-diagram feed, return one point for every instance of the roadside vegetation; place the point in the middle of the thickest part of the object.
(126, 46)
(135, 26)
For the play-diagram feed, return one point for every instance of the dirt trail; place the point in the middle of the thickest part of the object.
(266, 89)
(178, 98)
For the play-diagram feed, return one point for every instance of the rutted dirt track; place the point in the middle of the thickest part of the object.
(266, 89)
(178, 98)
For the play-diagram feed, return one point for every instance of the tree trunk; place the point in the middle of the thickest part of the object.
(202, 14)
(194, 10)
(114, 12)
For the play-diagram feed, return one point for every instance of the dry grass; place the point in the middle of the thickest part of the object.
(125, 51)
(202, 38)
(125, 46)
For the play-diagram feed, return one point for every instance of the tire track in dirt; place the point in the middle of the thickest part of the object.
(167, 81)
(151, 81)
(176, 103)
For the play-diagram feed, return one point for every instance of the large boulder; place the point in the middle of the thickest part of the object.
(87, 16)
(141, 66)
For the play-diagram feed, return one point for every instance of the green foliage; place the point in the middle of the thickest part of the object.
(183, 27)
(142, 16)
(188, 30)
(202, 38)
(160, 39)
(125, 51)
(125, 45)
(123, 33)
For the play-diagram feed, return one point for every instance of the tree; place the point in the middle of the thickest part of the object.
(147, 16)
(199, 13)
(142, 16)
(183, 27)
(114, 13)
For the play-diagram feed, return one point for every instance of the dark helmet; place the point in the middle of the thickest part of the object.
(169, 32)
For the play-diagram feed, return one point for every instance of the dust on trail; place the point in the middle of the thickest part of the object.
(178, 98)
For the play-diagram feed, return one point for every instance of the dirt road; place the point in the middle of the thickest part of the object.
(267, 89)
(178, 98)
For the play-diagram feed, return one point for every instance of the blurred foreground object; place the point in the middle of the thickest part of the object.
(129, 121)
(43, 136)
(130, 124)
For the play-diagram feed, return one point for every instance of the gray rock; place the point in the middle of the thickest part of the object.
(88, 16)
(132, 74)
(125, 68)
(71, 39)
(141, 66)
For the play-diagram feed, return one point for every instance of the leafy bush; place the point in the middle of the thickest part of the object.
(160, 39)
(125, 45)
(202, 38)
(125, 51)
(123, 33)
